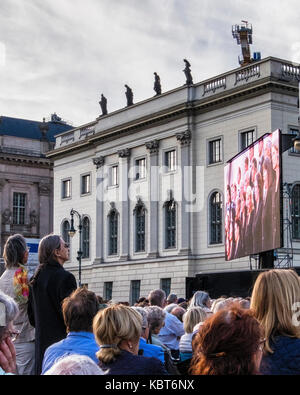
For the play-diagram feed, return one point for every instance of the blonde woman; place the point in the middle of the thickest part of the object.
(275, 302)
(191, 318)
(117, 330)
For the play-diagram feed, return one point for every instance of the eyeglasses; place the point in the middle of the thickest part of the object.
(13, 335)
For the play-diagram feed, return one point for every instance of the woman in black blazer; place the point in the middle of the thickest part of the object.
(49, 286)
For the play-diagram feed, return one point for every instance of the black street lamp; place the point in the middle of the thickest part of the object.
(72, 232)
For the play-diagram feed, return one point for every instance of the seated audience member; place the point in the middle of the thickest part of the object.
(172, 298)
(202, 299)
(148, 350)
(275, 302)
(172, 331)
(156, 319)
(192, 317)
(118, 330)
(8, 312)
(230, 342)
(178, 312)
(74, 365)
(79, 310)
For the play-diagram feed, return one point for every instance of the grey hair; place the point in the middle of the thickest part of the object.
(8, 312)
(14, 250)
(200, 298)
(74, 364)
(157, 297)
(156, 316)
(144, 315)
(170, 307)
(172, 298)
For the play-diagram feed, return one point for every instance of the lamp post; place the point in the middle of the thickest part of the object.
(72, 232)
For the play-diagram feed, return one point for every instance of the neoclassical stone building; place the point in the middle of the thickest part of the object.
(26, 176)
(148, 179)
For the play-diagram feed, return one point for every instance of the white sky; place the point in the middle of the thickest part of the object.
(60, 55)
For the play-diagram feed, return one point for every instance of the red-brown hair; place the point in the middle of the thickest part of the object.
(226, 343)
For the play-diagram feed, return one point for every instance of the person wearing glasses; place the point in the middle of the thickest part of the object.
(8, 312)
(49, 286)
(14, 282)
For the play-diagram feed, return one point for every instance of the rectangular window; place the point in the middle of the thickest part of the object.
(247, 138)
(113, 233)
(85, 184)
(170, 160)
(135, 287)
(66, 189)
(140, 230)
(215, 151)
(165, 285)
(108, 289)
(19, 204)
(114, 175)
(170, 211)
(140, 165)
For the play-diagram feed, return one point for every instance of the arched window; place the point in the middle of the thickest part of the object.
(85, 238)
(170, 223)
(295, 213)
(140, 216)
(215, 210)
(113, 232)
(65, 231)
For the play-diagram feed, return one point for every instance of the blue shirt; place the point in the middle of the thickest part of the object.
(82, 343)
(170, 334)
(150, 350)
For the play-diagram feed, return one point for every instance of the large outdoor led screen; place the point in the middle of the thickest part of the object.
(252, 199)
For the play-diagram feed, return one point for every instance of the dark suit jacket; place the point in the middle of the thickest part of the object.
(53, 283)
(129, 364)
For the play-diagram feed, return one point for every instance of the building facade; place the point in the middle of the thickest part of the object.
(26, 177)
(148, 180)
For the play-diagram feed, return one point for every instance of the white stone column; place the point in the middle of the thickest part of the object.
(100, 223)
(153, 148)
(124, 157)
(185, 231)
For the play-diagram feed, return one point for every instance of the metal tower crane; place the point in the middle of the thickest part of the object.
(243, 35)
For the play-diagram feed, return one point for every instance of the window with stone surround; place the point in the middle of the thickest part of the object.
(113, 232)
(215, 211)
(65, 231)
(293, 130)
(135, 289)
(85, 237)
(170, 160)
(114, 175)
(66, 188)
(215, 151)
(170, 224)
(140, 226)
(19, 207)
(85, 184)
(165, 285)
(108, 290)
(246, 138)
(140, 165)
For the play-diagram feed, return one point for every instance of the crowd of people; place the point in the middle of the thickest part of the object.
(49, 326)
(252, 218)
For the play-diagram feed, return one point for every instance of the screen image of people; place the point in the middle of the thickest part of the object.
(252, 199)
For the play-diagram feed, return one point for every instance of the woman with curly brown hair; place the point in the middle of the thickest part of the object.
(229, 343)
